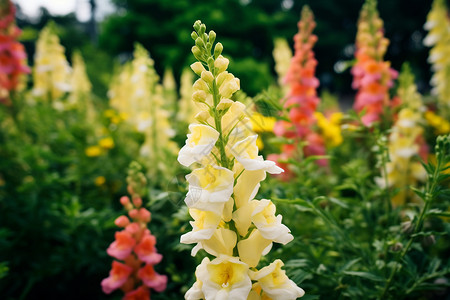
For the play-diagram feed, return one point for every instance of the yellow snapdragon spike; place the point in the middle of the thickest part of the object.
(186, 111)
(438, 38)
(51, 72)
(406, 141)
(222, 148)
(139, 99)
(282, 55)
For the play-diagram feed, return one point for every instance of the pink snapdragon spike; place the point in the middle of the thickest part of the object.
(122, 246)
(152, 279)
(141, 293)
(12, 53)
(302, 100)
(117, 277)
(372, 76)
(135, 247)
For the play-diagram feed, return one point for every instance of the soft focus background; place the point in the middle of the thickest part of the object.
(63, 170)
(247, 29)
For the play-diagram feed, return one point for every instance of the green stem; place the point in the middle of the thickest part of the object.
(428, 199)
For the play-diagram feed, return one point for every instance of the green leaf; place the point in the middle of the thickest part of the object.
(338, 202)
(365, 275)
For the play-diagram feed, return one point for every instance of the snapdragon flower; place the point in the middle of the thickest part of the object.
(135, 246)
(372, 76)
(222, 149)
(302, 100)
(12, 53)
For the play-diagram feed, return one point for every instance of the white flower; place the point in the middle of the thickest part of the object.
(203, 226)
(246, 152)
(225, 278)
(195, 292)
(263, 217)
(199, 144)
(275, 283)
(209, 188)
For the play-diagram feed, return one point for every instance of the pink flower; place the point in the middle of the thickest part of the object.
(141, 293)
(152, 279)
(122, 246)
(146, 250)
(117, 277)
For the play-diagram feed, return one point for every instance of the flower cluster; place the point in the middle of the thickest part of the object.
(302, 99)
(12, 53)
(228, 223)
(186, 111)
(406, 141)
(282, 54)
(136, 94)
(438, 24)
(81, 87)
(51, 72)
(135, 247)
(330, 127)
(372, 76)
(440, 125)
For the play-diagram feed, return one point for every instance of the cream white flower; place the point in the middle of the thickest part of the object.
(225, 278)
(199, 144)
(275, 283)
(263, 217)
(222, 241)
(246, 152)
(203, 226)
(252, 248)
(195, 292)
(209, 188)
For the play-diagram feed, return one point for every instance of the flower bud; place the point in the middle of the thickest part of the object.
(212, 36)
(199, 96)
(194, 35)
(122, 221)
(221, 63)
(200, 84)
(125, 201)
(133, 213)
(202, 116)
(218, 50)
(199, 43)
(224, 104)
(144, 215)
(137, 202)
(197, 52)
(198, 68)
(207, 76)
(197, 25)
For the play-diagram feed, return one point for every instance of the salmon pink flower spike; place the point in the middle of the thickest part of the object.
(117, 277)
(222, 149)
(152, 279)
(372, 76)
(12, 53)
(135, 246)
(302, 100)
(122, 246)
(141, 293)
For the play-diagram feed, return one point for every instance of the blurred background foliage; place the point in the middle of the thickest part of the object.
(247, 28)
(57, 211)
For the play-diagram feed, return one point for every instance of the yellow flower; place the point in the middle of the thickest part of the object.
(100, 180)
(330, 128)
(441, 125)
(262, 123)
(107, 143)
(93, 151)
(109, 113)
